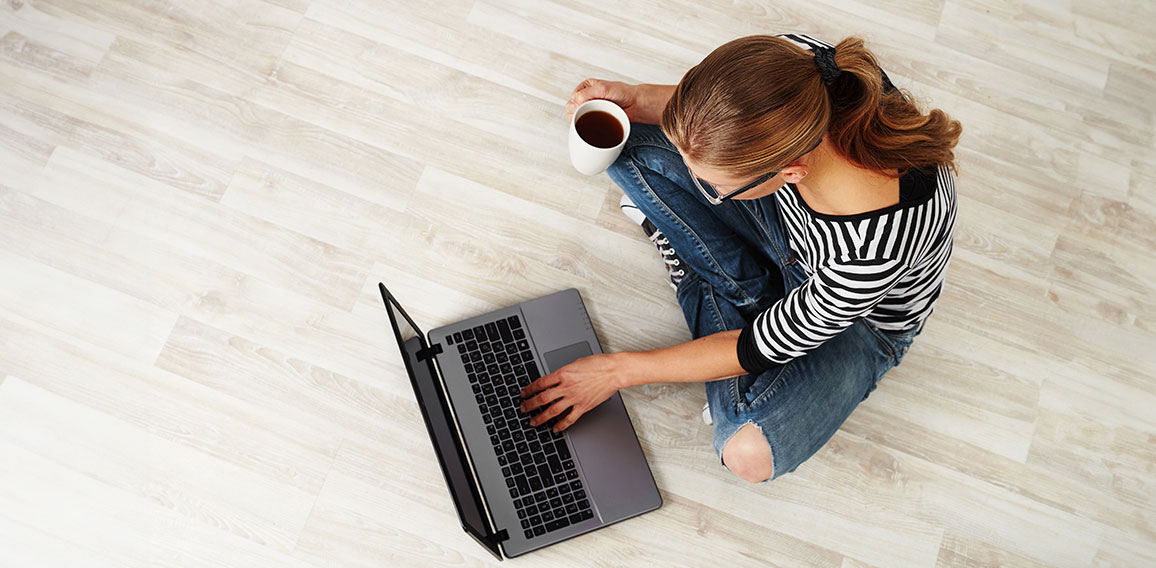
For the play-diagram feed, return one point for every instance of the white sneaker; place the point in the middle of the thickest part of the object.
(706, 414)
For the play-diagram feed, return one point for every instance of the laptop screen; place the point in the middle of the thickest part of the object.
(434, 407)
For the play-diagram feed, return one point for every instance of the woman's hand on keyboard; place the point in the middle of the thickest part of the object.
(577, 387)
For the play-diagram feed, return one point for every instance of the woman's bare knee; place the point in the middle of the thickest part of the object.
(748, 455)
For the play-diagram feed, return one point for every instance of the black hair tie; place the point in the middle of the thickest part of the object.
(825, 59)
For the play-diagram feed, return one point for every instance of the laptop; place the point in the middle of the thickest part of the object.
(518, 488)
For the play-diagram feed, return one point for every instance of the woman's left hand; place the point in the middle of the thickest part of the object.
(579, 387)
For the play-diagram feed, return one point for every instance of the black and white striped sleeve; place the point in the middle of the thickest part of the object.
(826, 304)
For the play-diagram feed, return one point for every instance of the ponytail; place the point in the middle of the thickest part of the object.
(881, 129)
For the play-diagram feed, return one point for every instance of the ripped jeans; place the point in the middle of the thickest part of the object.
(741, 263)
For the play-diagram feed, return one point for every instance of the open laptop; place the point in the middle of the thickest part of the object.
(518, 488)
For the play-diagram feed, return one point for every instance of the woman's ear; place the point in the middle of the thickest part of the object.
(794, 173)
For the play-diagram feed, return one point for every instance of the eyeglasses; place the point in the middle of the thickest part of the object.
(716, 197)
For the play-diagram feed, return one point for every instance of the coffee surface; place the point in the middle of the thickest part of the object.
(599, 129)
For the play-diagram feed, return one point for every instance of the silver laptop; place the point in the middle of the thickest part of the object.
(518, 488)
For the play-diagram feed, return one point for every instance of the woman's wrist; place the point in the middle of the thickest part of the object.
(629, 369)
(655, 97)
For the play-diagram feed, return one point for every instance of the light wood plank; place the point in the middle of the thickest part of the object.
(199, 199)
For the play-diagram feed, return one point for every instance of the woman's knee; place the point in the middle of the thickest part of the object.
(748, 455)
(646, 148)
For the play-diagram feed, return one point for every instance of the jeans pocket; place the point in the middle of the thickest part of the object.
(751, 390)
(886, 342)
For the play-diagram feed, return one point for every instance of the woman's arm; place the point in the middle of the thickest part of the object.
(642, 103)
(587, 382)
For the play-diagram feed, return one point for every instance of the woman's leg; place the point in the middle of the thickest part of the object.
(737, 247)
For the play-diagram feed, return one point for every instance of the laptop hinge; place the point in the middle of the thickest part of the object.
(423, 354)
(502, 536)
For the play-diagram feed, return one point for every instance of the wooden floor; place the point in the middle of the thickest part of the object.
(197, 200)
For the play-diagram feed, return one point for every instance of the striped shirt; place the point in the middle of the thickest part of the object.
(885, 266)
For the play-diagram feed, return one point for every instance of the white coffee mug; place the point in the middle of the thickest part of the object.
(587, 158)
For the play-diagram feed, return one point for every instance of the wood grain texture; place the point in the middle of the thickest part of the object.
(198, 200)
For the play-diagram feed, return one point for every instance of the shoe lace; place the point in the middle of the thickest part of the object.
(668, 255)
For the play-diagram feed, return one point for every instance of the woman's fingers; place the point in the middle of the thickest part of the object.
(543, 397)
(568, 420)
(560, 405)
(539, 385)
(586, 90)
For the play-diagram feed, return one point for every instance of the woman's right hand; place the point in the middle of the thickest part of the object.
(642, 103)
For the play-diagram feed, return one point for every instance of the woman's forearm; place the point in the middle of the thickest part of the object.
(656, 97)
(705, 359)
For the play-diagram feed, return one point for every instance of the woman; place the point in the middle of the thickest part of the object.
(805, 210)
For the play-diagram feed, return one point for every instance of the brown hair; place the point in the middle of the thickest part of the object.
(759, 102)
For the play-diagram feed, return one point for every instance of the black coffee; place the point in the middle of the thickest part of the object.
(599, 129)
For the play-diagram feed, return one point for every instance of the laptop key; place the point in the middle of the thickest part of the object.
(559, 523)
(523, 486)
(575, 518)
(563, 449)
(519, 334)
(532, 370)
(539, 531)
(514, 322)
(555, 464)
(504, 331)
(492, 331)
(479, 333)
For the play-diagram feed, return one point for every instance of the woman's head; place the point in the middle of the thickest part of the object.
(757, 103)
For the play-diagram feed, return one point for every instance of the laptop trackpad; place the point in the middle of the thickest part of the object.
(559, 358)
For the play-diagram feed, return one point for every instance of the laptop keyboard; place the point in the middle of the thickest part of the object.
(539, 469)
